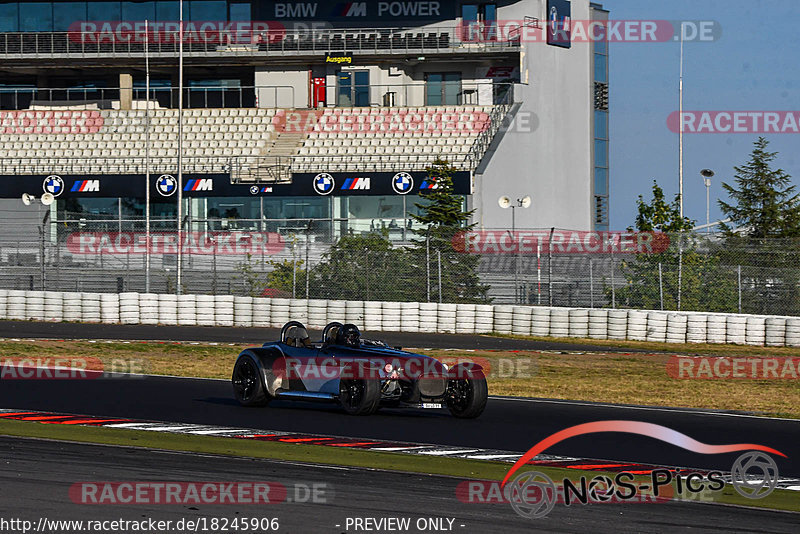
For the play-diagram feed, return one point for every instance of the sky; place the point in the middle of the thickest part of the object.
(754, 66)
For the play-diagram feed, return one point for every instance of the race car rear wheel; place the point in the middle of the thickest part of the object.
(466, 397)
(360, 396)
(248, 387)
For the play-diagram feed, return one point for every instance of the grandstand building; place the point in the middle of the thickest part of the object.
(300, 111)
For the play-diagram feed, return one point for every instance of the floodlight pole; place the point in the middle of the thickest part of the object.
(147, 159)
(680, 128)
(180, 148)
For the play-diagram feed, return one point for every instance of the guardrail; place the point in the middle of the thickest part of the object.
(228, 310)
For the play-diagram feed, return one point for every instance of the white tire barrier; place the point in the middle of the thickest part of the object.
(446, 318)
(598, 324)
(298, 310)
(696, 328)
(54, 306)
(280, 312)
(3, 303)
(465, 319)
(243, 311)
(716, 329)
(391, 316)
(109, 308)
(736, 329)
(204, 310)
(372, 316)
(168, 309)
(656, 327)
(187, 310)
(637, 325)
(337, 310)
(793, 332)
(559, 322)
(148, 308)
(677, 327)
(34, 305)
(128, 308)
(521, 320)
(484, 318)
(261, 312)
(72, 306)
(354, 312)
(317, 313)
(90, 307)
(16, 305)
(756, 331)
(223, 310)
(428, 317)
(617, 324)
(409, 316)
(503, 318)
(775, 331)
(579, 323)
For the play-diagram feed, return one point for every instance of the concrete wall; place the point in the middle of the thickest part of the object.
(552, 163)
(284, 87)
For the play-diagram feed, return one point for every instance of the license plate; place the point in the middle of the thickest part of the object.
(431, 405)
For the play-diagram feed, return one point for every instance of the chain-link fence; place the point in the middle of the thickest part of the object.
(340, 260)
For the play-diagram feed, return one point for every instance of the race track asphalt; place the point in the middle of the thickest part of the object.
(36, 475)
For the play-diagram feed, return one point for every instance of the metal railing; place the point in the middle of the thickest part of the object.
(123, 41)
(496, 117)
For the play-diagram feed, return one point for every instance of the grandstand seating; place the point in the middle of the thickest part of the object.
(336, 139)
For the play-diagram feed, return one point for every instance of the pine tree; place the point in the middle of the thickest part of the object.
(764, 202)
(443, 217)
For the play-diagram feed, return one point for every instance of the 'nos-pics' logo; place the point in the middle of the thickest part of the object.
(532, 494)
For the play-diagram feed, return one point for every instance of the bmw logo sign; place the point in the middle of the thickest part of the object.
(254, 190)
(553, 19)
(402, 183)
(53, 184)
(324, 183)
(166, 185)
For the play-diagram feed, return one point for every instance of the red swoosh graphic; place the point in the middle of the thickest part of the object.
(634, 427)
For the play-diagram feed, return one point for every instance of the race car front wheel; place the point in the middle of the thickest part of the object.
(360, 396)
(466, 397)
(247, 384)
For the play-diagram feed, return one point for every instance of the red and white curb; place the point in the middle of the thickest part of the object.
(421, 449)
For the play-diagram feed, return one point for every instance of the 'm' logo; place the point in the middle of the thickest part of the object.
(351, 184)
(351, 9)
(85, 186)
(203, 184)
(429, 184)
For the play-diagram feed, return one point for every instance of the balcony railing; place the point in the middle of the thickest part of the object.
(129, 43)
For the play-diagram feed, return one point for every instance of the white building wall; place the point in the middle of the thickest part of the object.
(552, 163)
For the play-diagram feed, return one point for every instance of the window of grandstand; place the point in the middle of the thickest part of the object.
(443, 89)
(353, 89)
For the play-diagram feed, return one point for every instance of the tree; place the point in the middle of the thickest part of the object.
(764, 202)
(442, 217)
(765, 208)
(362, 267)
(681, 272)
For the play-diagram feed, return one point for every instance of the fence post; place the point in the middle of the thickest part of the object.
(591, 285)
(550, 266)
(680, 269)
(428, 264)
(294, 268)
(660, 286)
(613, 290)
(538, 272)
(739, 276)
(439, 257)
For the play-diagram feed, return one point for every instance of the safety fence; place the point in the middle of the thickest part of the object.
(227, 310)
(391, 259)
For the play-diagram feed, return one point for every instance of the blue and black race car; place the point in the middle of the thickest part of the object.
(361, 375)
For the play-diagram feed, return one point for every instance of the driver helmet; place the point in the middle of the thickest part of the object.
(349, 336)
